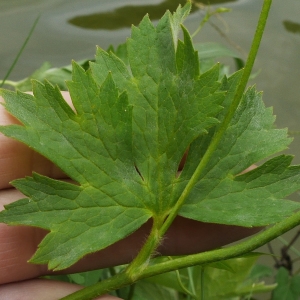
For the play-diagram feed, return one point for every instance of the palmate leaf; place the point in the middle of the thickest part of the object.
(122, 145)
(124, 140)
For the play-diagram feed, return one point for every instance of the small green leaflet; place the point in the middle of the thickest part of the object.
(124, 140)
(288, 287)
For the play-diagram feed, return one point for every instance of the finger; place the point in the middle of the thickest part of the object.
(18, 244)
(17, 160)
(37, 289)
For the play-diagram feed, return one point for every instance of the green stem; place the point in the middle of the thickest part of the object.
(219, 134)
(128, 276)
(183, 287)
(205, 19)
(137, 266)
(225, 253)
(122, 279)
(8, 82)
(20, 51)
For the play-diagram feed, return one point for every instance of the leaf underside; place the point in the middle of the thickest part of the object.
(124, 140)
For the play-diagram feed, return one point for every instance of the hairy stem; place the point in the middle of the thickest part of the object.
(131, 274)
(226, 253)
(122, 279)
(137, 266)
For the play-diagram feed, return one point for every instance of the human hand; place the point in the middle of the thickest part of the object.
(18, 243)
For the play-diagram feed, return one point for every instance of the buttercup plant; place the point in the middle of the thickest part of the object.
(122, 144)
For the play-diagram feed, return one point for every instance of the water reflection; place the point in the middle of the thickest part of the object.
(125, 16)
(212, 2)
(292, 27)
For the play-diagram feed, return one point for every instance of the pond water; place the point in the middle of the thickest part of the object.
(71, 29)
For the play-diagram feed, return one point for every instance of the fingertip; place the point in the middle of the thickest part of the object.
(42, 289)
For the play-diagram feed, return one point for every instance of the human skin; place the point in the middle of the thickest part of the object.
(18, 278)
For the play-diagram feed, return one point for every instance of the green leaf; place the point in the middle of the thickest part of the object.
(288, 287)
(87, 278)
(120, 52)
(170, 280)
(261, 271)
(223, 284)
(122, 145)
(227, 279)
(148, 291)
(57, 76)
(214, 50)
(223, 194)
